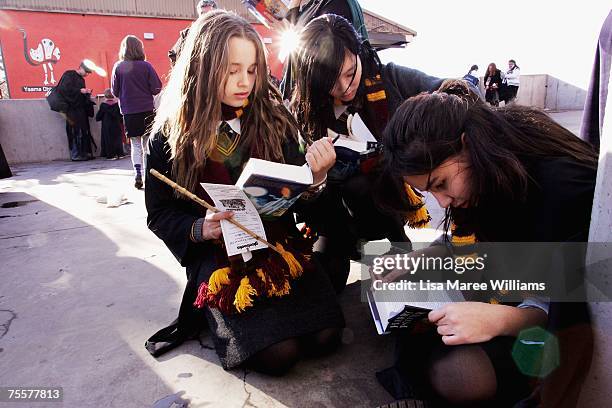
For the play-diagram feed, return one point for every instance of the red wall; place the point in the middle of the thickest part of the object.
(81, 36)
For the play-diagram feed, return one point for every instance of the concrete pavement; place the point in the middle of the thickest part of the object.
(83, 286)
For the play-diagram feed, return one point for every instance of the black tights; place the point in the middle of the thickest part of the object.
(472, 375)
(462, 375)
(278, 358)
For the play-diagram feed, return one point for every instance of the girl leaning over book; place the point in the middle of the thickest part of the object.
(217, 111)
(337, 75)
(505, 175)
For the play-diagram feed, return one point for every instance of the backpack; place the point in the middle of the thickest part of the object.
(56, 101)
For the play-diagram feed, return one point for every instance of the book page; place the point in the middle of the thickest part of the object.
(354, 145)
(359, 131)
(231, 198)
(276, 171)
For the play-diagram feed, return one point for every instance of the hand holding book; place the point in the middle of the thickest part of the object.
(211, 228)
(321, 157)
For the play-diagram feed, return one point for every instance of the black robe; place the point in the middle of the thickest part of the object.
(111, 144)
(5, 170)
(557, 209)
(329, 216)
(80, 109)
(310, 307)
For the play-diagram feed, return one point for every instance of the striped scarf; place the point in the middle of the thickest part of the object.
(236, 285)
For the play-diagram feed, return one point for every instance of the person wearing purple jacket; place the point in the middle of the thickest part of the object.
(135, 82)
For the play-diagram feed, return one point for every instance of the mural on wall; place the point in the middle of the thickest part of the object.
(46, 54)
(31, 42)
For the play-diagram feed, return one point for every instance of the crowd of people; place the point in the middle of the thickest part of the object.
(499, 86)
(127, 107)
(499, 172)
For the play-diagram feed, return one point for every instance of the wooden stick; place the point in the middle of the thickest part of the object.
(203, 203)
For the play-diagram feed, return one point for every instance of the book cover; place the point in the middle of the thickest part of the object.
(266, 11)
(273, 187)
(390, 316)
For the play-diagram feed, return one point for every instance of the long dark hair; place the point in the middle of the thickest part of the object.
(319, 59)
(515, 66)
(487, 74)
(472, 68)
(430, 128)
(131, 49)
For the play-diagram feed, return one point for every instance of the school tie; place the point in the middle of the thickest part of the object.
(227, 139)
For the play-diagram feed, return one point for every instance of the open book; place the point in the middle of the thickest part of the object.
(392, 314)
(273, 187)
(359, 138)
(401, 309)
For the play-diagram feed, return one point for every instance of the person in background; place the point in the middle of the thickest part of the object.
(203, 7)
(111, 145)
(472, 75)
(492, 83)
(511, 82)
(135, 82)
(73, 91)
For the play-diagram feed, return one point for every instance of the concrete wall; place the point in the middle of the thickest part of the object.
(31, 132)
(563, 96)
(597, 387)
(547, 92)
(532, 91)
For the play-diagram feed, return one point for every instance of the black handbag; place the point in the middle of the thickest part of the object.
(56, 101)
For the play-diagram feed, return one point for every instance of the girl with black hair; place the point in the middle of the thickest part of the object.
(472, 75)
(504, 175)
(511, 82)
(303, 11)
(341, 75)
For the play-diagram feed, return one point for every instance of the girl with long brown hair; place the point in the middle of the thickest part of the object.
(492, 84)
(218, 110)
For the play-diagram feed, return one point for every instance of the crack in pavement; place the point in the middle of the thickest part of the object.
(4, 327)
(247, 402)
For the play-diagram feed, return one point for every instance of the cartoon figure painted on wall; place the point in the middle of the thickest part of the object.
(46, 54)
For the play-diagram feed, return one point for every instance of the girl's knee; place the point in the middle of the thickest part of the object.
(277, 359)
(323, 342)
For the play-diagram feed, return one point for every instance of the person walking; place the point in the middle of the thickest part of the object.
(135, 82)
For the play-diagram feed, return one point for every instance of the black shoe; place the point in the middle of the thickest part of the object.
(138, 183)
(169, 338)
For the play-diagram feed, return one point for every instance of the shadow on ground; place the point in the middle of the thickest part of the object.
(83, 286)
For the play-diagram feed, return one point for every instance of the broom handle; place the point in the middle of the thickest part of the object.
(203, 203)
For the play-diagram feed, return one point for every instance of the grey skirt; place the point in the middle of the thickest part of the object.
(310, 307)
